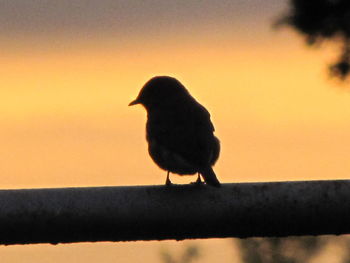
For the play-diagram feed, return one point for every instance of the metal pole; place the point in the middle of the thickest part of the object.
(176, 212)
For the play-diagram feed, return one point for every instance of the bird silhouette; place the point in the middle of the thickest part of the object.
(178, 130)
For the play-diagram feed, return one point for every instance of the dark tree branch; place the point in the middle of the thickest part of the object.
(320, 20)
(175, 212)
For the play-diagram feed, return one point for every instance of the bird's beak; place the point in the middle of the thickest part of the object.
(134, 102)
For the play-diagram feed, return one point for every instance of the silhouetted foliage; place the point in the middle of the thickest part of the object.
(322, 20)
(347, 249)
(280, 250)
(294, 249)
(190, 254)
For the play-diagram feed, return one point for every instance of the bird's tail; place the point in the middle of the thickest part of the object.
(210, 177)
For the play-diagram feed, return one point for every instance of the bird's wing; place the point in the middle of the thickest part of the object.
(187, 132)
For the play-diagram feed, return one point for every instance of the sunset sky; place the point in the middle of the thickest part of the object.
(69, 69)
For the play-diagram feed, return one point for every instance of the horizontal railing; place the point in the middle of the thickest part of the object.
(132, 213)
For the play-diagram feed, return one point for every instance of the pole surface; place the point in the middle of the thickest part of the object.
(176, 212)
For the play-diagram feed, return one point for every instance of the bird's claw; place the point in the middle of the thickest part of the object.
(168, 182)
(198, 182)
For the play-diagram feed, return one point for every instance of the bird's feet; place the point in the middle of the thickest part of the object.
(198, 182)
(168, 182)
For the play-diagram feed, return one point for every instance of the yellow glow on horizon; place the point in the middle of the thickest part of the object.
(66, 119)
(102, 82)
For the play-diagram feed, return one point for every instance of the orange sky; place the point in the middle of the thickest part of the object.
(65, 117)
(65, 121)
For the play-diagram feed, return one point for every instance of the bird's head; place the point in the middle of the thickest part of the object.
(161, 91)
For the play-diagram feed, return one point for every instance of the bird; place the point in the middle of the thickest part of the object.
(179, 131)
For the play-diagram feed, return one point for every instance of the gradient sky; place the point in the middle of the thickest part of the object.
(70, 68)
(125, 18)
